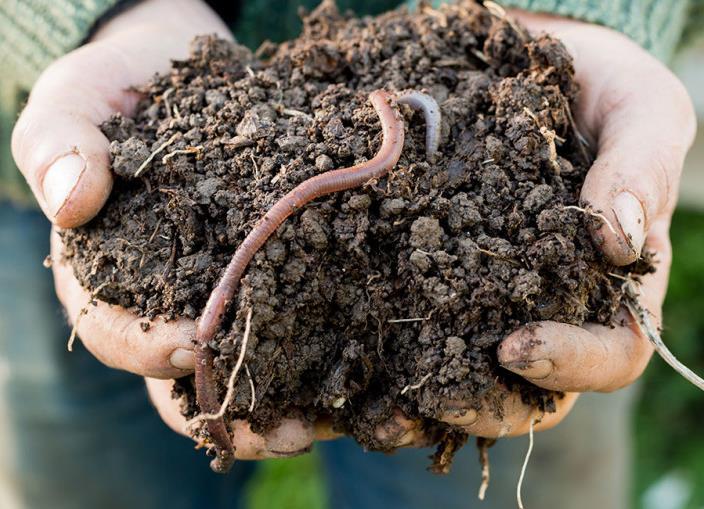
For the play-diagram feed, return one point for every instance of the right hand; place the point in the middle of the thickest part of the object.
(58, 146)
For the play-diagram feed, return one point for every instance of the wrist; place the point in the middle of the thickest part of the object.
(180, 18)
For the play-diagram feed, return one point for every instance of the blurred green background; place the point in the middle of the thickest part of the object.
(668, 466)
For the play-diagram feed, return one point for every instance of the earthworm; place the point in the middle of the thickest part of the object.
(330, 182)
(431, 112)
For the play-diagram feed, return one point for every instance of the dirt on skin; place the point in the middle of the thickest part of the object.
(414, 277)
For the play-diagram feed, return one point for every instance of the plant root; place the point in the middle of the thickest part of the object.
(187, 150)
(81, 313)
(550, 136)
(149, 159)
(233, 377)
(642, 318)
(531, 440)
(251, 390)
(483, 444)
(588, 211)
(417, 385)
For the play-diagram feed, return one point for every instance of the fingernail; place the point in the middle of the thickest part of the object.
(631, 219)
(183, 359)
(536, 370)
(460, 416)
(61, 179)
(406, 439)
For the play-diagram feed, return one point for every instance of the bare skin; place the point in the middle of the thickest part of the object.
(638, 118)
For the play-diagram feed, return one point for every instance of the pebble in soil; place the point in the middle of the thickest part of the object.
(472, 245)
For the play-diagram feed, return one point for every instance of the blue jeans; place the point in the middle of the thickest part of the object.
(76, 434)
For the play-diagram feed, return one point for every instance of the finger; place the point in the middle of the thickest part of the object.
(514, 419)
(292, 437)
(116, 336)
(647, 128)
(324, 430)
(57, 143)
(399, 431)
(643, 122)
(564, 357)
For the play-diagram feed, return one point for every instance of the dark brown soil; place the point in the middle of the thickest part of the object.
(470, 247)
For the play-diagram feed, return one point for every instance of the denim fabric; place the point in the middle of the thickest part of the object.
(76, 434)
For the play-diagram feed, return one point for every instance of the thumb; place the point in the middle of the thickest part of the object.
(647, 128)
(57, 143)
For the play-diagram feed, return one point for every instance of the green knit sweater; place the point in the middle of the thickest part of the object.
(33, 33)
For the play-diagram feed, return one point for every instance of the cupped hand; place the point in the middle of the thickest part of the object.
(640, 120)
(58, 146)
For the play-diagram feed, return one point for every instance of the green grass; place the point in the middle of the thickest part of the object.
(668, 425)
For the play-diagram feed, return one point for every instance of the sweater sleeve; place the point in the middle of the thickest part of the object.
(657, 25)
(33, 33)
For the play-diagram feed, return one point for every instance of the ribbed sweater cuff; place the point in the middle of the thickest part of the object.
(656, 25)
(33, 33)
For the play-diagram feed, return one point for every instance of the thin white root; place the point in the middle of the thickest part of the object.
(296, 113)
(149, 159)
(484, 461)
(642, 317)
(188, 150)
(499, 12)
(550, 137)
(231, 382)
(590, 212)
(415, 386)
(431, 113)
(81, 313)
(408, 320)
(251, 389)
(519, 486)
(165, 97)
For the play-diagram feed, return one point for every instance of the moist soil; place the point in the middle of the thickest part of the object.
(413, 277)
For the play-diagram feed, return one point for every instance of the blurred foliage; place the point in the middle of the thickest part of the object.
(669, 423)
(294, 483)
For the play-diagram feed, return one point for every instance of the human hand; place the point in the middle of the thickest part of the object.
(640, 119)
(61, 151)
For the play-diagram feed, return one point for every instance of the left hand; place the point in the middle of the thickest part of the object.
(640, 118)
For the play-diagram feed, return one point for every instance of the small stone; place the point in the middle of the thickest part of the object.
(323, 162)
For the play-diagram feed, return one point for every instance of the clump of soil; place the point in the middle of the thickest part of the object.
(416, 276)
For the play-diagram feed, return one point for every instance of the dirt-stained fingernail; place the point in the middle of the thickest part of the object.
(631, 219)
(60, 179)
(460, 416)
(535, 370)
(183, 359)
(408, 438)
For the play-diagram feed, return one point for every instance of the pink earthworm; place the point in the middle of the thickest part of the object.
(209, 323)
(431, 112)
